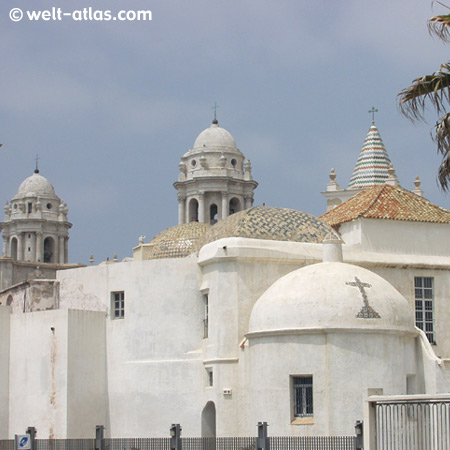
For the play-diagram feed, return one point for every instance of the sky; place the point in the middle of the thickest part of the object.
(111, 106)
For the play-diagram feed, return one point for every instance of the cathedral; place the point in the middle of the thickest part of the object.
(237, 314)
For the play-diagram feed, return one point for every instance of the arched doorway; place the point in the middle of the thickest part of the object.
(13, 248)
(49, 250)
(213, 214)
(209, 420)
(193, 210)
(235, 205)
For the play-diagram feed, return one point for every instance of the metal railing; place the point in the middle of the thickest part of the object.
(413, 424)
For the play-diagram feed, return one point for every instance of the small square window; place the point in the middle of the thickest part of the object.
(118, 305)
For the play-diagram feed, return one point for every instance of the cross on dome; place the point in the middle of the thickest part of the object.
(373, 111)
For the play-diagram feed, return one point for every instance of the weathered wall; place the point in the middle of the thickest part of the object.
(4, 370)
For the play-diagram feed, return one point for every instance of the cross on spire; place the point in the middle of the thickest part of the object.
(215, 106)
(36, 160)
(373, 111)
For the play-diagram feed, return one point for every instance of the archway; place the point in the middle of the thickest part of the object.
(235, 205)
(213, 214)
(49, 250)
(193, 210)
(13, 248)
(209, 420)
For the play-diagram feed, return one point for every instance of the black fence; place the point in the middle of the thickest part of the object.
(187, 443)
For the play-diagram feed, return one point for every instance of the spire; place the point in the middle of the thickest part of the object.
(215, 106)
(372, 166)
(37, 167)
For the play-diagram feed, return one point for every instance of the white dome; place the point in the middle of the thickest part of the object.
(36, 185)
(331, 295)
(215, 136)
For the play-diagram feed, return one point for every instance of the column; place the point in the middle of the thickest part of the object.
(20, 242)
(61, 250)
(39, 247)
(5, 246)
(66, 250)
(248, 201)
(33, 247)
(181, 209)
(201, 207)
(225, 212)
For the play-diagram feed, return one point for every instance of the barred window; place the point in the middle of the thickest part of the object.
(424, 299)
(303, 396)
(118, 305)
(205, 316)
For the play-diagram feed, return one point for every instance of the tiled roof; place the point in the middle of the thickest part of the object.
(264, 222)
(387, 202)
(178, 241)
(372, 166)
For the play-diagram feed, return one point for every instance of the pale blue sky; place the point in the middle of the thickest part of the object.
(111, 106)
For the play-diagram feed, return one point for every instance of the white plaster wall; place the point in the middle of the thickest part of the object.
(343, 366)
(398, 236)
(38, 373)
(4, 370)
(86, 373)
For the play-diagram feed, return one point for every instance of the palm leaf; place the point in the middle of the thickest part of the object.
(433, 88)
(442, 139)
(440, 27)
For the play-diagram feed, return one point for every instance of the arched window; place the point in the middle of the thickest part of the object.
(193, 210)
(49, 250)
(9, 300)
(213, 215)
(13, 248)
(235, 205)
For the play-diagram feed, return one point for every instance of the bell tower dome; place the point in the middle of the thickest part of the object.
(36, 228)
(215, 179)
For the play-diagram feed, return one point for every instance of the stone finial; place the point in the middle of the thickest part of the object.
(91, 260)
(141, 239)
(391, 179)
(332, 185)
(202, 160)
(417, 189)
(222, 160)
(115, 258)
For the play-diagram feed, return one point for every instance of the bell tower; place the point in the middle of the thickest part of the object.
(215, 179)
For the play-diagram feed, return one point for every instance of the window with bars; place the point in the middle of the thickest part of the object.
(424, 299)
(303, 396)
(118, 305)
(206, 316)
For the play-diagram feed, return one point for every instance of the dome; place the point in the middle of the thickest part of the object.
(36, 185)
(331, 295)
(178, 241)
(215, 136)
(263, 222)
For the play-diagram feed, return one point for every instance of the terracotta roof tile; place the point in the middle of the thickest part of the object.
(387, 202)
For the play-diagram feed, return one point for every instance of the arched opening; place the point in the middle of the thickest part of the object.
(9, 300)
(49, 250)
(13, 248)
(193, 210)
(213, 214)
(235, 205)
(209, 420)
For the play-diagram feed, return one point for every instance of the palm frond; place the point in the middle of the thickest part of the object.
(442, 139)
(434, 88)
(440, 27)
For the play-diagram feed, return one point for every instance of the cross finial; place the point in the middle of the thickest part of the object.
(215, 113)
(37, 167)
(373, 111)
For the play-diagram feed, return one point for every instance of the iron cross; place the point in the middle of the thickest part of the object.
(373, 111)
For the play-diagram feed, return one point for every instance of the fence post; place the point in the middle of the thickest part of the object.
(99, 437)
(175, 437)
(359, 432)
(32, 432)
(262, 442)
